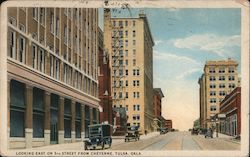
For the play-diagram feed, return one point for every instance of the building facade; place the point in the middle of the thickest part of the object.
(231, 107)
(218, 80)
(169, 124)
(130, 44)
(52, 75)
(104, 83)
(157, 108)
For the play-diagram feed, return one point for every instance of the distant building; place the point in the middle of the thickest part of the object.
(157, 108)
(169, 124)
(218, 80)
(231, 107)
(130, 45)
(104, 83)
(52, 75)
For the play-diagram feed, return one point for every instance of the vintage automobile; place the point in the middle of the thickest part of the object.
(99, 135)
(194, 131)
(132, 133)
(163, 130)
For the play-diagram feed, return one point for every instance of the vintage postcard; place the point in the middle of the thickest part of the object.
(124, 78)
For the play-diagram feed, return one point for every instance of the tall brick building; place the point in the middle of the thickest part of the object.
(157, 108)
(52, 75)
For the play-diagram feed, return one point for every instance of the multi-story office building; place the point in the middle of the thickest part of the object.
(130, 44)
(157, 108)
(218, 80)
(52, 75)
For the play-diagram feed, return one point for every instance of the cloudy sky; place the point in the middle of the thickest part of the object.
(184, 40)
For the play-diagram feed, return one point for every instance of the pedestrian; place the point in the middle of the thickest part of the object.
(146, 132)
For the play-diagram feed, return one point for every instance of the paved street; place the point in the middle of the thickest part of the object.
(179, 141)
(155, 141)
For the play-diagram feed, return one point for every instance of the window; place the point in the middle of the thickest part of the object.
(212, 93)
(121, 72)
(114, 94)
(57, 27)
(126, 23)
(120, 94)
(126, 53)
(120, 23)
(51, 22)
(212, 108)
(126, 61)
(78, 120)
(211, 70)
(213, 100)
(38, 113)
(231, 78)
(121, 34)
(134, 52)
(222, 93)
(136, 83)
(231, 70)
(212, 78)
(134, 42)
(22, 50)
(231, 85)
(221, 70)
(121, 83)
(136, 94)
(126, 83)
(222, 78)
(35, 14)
(126, 43)
(114, 23)
(126, 94)
(126, 72)
(51, 65)
(126, 108)
(138, 72)
(222, 85)
(42, 16)
(212, 86)
(12, 44)
(34, 56)
(136, 117)
(133, 23)
(134, 33)
(57, 68)
(134, 62)
(67, 118)
(41, 60)
(17, 109)
(65, 34)
(126, 33)
(136, 107)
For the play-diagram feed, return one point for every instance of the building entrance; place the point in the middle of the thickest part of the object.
(54, 119)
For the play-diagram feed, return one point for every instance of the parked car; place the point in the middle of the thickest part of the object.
(99, 135)
(163, 130)
(203, 131)
(194, 131)
(132, 133)
(209, 133)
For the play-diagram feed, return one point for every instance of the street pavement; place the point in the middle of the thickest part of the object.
(155, 141)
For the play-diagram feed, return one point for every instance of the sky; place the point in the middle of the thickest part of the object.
(184, 40)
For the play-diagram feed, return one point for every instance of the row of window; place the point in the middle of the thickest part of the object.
(121, 83)
(221, 93)
(222, 70)
(121, 33)
(121, 53)
(214, 100)
(120, 62)
(136, 107)
(136, 72)
(122, 96)
(230, 85)
(18, 109)
(39, 62)
(222, 78)
(123, 23)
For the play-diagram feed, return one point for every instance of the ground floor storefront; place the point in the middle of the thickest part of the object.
(39, 117)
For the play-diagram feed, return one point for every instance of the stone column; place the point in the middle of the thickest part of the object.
(61, 121)
(82, 122)
(73, 125)
(47, 118)
(91, 115)
(29, 116)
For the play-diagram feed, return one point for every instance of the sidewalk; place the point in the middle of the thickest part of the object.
(223, 137)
